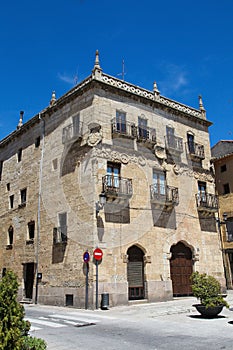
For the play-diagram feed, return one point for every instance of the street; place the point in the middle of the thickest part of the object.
(140, 327)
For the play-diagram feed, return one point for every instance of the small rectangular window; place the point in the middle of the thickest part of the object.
(229, 226)
(8, 186)
(23, 196)
(10, 235)
(37, 142)
(226, 188)
(61, 231)
(223, 168)
(54, 163)
(31, 230)
(20, 151)
(11, 200)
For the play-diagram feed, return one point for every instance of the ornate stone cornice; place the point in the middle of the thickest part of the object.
(152, 96)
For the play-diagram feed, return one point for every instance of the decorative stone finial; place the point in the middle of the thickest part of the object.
(53, 99)
(201, 103)
(20, 123)
(201, 107)
(155, 89)
(97, 61)
(97, 71)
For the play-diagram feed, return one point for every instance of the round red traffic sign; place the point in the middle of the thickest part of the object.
(98, 254)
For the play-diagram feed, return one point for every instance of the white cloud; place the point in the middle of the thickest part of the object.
(175, 79)
(72, 80)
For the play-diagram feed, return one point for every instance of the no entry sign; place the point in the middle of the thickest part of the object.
(98, 254)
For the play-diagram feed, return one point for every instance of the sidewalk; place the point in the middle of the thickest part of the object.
(175, 306)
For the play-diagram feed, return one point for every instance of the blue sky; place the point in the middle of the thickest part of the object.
(186, 47)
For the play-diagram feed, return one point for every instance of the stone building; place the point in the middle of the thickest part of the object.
(114, 166)
(222, 154)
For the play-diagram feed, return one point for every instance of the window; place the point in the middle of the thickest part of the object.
(229, 227)
(223, 168)
(31, 230)
(8, 186)
(23, 195)
(37, 142)
(226, 188)
(20, 151)
(121, 122)
(11, 201)
(202, 191)
(159, 182)
(76, 125)
(170, 136)
(1, 167)
(60, 233)
(113, 174)
(142, 128)
(191, 144)
(54, 162)
(10, 235)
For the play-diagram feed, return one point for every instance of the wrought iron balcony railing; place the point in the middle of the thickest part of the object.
(164, 195)
(129, 129)
(117, 186)
(71, 132)
(174, 144)
(124, 128)
(196, 150)
(207, 202)
(144, 133)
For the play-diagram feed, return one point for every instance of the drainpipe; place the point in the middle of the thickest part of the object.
(38, 208)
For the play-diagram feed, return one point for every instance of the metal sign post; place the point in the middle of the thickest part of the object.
(86, 258)
(96, 287)
(86, 292)
(97, 254)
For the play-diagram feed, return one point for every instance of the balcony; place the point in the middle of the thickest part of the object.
(174, 145)
(124, 129)
(117, 187)
(196, 151)
(164, 196)
(146, 135)
(71, 133)
(207, 203)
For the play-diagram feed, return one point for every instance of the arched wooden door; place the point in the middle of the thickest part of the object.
(135, 273)
(181, 266)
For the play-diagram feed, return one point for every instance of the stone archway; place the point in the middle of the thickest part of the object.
(135, 273)
(181, 267)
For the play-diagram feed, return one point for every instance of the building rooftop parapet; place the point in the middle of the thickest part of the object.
(222, 149)
(98, 75)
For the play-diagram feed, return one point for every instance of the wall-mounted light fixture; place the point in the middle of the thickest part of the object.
(101, 202)
(219, 222)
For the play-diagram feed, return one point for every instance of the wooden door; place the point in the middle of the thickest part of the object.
(181, 266)
(135, 273)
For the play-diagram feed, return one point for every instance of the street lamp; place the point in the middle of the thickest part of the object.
(101, 202)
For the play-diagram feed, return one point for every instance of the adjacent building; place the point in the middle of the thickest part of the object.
(222, 154)
(114, 166)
